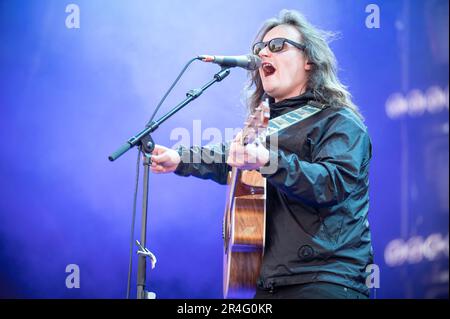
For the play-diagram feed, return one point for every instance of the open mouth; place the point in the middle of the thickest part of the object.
(268, 69)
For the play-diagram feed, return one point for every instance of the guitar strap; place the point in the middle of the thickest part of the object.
(302, 113)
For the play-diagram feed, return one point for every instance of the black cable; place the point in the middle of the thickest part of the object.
(170, 89)
(133, 221)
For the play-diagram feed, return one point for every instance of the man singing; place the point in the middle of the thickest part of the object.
(318, 242)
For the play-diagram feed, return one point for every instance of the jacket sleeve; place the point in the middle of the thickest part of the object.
(339, 159)
(207, 162)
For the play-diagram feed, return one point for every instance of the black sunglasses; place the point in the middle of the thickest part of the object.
(275, 45)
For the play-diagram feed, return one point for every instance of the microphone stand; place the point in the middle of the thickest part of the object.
(146, 144)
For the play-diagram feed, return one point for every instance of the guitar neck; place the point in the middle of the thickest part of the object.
(284, 121)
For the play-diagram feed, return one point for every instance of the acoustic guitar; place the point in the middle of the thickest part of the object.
(245, 210)
(244, 218)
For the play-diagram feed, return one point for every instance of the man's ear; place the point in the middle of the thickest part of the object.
(308, 65)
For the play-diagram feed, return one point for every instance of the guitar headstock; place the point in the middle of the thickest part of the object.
(256, 124)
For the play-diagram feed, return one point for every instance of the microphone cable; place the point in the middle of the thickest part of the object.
(133, 220)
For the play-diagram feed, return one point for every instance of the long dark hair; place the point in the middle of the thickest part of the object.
(323, 81)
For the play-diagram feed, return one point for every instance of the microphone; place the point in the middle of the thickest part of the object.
(250, 62)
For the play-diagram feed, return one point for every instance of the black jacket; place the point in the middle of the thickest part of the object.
(317, 199)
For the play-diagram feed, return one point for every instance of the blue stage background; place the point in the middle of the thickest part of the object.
(71, 96)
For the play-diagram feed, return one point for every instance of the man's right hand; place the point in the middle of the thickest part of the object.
(164, 160)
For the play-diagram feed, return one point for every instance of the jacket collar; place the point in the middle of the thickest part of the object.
(284, 106)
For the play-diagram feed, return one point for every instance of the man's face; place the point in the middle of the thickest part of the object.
(284, 74)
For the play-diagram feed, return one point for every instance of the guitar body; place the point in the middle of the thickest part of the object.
(243, 232)
(244, 223)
